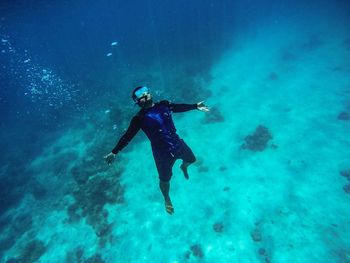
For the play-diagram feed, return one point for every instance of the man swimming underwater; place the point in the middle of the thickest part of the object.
(156, 122)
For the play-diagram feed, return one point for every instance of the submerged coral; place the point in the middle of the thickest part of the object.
(90, 198)
(258, 140)
(218, 227)
(197, 251)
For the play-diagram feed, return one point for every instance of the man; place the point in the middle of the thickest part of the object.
(156, 122)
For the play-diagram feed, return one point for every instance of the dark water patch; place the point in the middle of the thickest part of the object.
(12, 192)
(288, 56)
(312, 43)
(346, 43)
(258, 141)
(273, 76)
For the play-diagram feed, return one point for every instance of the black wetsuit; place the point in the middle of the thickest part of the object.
(157, 123)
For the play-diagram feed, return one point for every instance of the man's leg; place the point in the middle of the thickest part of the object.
(164, 165)
(188, 158)
(164, 188)
(183, 167)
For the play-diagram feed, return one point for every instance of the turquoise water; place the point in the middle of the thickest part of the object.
(280, 193)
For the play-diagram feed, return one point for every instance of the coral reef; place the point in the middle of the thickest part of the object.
(258, 140)
(90, 198)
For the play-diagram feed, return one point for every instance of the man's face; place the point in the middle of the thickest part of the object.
(145, 100)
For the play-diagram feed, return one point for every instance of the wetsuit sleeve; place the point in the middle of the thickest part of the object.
(182, 107)
(134, 127)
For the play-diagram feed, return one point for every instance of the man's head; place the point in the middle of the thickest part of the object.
(142, 97)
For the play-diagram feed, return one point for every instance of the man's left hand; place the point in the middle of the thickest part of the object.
(202, 107)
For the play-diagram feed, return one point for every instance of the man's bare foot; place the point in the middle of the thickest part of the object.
(169, 207)
(184, 170)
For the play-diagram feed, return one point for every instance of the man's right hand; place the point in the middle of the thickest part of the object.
(110, 158)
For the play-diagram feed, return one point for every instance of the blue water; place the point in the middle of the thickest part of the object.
(272, 177)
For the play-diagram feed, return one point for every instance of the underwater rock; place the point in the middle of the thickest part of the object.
(218, 227)
(313, 43)
(258, 140)
(213, 116)
(197, 251)
(346, 188)
(346, 174)
(344, 116)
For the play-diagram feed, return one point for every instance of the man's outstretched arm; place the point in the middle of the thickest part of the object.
(186, 107)
(134, 127)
